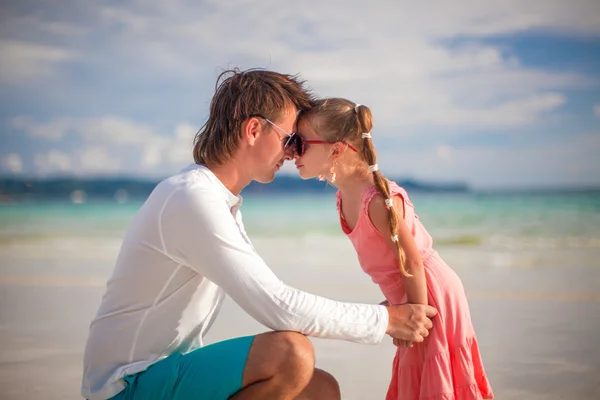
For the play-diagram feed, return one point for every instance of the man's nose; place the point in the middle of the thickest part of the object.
(288, 153)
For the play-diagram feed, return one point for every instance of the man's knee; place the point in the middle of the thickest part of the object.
(297, 349)
(278, 363)
(325, 386)
(296, 353)
(280, 353)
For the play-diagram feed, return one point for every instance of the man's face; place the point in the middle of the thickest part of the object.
(270, 151)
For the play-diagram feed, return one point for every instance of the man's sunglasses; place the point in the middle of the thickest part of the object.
(287, 139)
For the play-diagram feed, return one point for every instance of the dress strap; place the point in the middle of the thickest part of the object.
(372, 191)
(397, 190)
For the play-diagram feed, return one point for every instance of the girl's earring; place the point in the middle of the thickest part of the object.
(332, 172)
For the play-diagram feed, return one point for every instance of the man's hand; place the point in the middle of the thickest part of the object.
(410, 322)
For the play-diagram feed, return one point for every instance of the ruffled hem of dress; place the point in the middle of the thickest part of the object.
(456, 374)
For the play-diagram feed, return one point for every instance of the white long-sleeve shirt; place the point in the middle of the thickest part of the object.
(186, 249)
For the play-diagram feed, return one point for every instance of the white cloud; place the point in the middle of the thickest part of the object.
(97, 160)
(396, 60)
(53, 130)
(597, 110)
(110, 144)
(514, 112)
(569, 161)
(53, 162)
(151, 156)
(113, 130)
(400, 58)
(288, 168)
(22, 61)
(180, 151)
(109, 129)
(12, 163)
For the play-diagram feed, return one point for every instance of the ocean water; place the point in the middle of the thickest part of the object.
(470, 229)
(470, 220)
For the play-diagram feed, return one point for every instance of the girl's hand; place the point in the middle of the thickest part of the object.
(403, 343)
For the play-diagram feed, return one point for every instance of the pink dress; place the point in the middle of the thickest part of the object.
(447, 365)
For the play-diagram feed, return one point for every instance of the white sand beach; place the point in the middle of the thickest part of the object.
(536, 315)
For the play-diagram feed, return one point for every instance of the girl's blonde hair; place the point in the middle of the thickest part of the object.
(340, 120)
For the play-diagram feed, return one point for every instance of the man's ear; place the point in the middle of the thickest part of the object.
(251, 130)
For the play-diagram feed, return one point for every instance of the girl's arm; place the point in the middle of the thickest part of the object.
(415, 285)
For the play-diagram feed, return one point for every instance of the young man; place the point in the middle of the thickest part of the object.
(187, 248)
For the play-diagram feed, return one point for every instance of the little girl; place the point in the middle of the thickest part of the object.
(334, 143)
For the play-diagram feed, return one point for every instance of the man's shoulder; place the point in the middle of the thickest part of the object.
(193, 178)
(190, 189)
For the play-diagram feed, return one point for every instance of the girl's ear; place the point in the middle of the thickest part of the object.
(337, 150)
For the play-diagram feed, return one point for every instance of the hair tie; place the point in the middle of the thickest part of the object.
(389, 203)
(395, 238)
(356, 108)
(373, 168)
(366, 135)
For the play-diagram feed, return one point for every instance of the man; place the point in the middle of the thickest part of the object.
(187, 248)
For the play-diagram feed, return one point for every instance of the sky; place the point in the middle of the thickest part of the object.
(494, 94)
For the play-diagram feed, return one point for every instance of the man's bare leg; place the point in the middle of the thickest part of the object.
(322, 386)
(281, 365)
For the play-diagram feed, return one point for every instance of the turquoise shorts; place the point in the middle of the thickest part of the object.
(210, 372)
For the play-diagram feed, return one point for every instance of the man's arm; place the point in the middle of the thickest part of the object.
(199, 231)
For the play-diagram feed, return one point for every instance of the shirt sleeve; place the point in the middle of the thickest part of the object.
(199, 231)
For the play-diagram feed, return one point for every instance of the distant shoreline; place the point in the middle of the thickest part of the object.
(122, 188)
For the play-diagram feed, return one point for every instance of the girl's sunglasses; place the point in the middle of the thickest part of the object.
(298, 144)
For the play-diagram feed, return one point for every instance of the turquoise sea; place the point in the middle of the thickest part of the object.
(486, 220)
(471, 229)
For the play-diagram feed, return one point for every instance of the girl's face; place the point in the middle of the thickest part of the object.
(316, 157)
